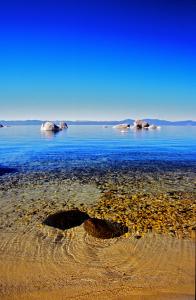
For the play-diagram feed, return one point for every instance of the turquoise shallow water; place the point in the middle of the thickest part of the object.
(26, 148)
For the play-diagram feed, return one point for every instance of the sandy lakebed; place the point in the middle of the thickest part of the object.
(154, 259)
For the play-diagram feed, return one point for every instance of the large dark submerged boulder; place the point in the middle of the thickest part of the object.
(66, 219)
(98, 228)
(104, 229)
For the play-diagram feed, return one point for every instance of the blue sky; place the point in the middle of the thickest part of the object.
(98, 60)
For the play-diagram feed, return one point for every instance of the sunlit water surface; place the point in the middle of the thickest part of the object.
(26, 148)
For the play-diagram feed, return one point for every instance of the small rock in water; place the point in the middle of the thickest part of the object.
(138, 236)
(63, 125)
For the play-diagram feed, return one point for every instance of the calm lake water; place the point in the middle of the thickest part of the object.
(26, 148)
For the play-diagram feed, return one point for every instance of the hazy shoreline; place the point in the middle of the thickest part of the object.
(157, 122)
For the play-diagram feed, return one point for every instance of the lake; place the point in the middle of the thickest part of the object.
(26, 148)
(139, 183)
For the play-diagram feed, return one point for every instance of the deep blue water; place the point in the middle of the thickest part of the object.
(26, 148)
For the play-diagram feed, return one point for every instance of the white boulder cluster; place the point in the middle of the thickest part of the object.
(51, 126)
(138, 124)
(141, 124)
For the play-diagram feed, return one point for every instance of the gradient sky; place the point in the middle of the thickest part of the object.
(98, 60)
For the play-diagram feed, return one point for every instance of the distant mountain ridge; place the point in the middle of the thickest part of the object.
(85, 122)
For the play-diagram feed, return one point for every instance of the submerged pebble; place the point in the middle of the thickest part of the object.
(142, 213)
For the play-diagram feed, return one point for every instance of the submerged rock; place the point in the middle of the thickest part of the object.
(103, 229)
(66, 219)
(50, 126)
(1, 126)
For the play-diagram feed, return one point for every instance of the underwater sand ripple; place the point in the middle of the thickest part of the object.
(36, 257)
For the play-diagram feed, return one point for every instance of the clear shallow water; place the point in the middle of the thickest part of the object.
(26, 148)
